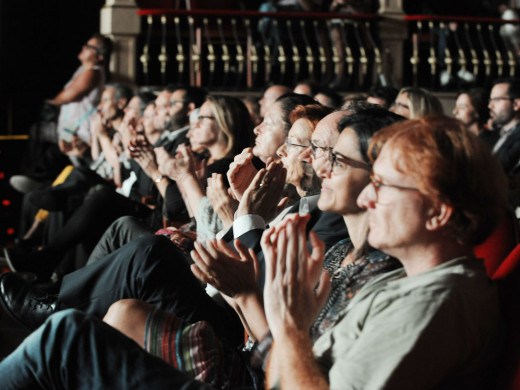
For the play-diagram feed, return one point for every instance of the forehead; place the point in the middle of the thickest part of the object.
(108, 93)
(93, 42)
(134, 102)
(163, 95)
(326, 132)
(301, 129)
(178, 95)
(206, 108)
(500, 89)
(348, 144)
(403, 96)
(463, 99)
(386, 164)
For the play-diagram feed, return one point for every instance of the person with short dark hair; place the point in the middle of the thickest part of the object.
(383, 96)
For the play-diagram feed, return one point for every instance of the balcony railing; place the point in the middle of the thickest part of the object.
(451, 52)
(237, 50)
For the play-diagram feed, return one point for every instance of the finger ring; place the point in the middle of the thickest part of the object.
(211, 275)
(131, 148)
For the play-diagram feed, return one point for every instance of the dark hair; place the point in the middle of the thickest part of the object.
(105, 48)
(145, 98)
(514, 86)
(365, 123)
(387, 93)
(122, 91)
(479, 100)
(194, 95)
(288, 102)
(335, 98)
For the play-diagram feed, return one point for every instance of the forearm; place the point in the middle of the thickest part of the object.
(251, 308)
(192, 192)
(292, 363)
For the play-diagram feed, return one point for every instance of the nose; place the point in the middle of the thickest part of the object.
(306, 155)
(322, 167)
(367, 198)
(258, 128)
(282, 151)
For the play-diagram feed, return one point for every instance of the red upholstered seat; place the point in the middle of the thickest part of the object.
(507, 278)
(503, 240)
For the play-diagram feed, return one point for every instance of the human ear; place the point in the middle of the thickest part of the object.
(438, 216)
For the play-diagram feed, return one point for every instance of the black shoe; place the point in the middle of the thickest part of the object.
(25, 304)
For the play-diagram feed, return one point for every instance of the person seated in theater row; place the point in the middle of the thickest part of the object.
(433, 324)
(270, 134)
(104, 205)
(413, 102)
(350, 262)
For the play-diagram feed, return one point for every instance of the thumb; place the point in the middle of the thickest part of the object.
(282, 204)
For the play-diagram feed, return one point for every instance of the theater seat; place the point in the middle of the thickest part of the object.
(503, 240)
(507, 278)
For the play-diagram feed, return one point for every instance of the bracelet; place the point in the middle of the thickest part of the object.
(158, 178)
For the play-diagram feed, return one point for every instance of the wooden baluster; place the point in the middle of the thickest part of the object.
(180, 57)
(448, 59)
(309, 57)
(212, 58)
(487, 57)
(296, 58)
(252, 54)
(378, 59)
(240, 53)
(163, 56)
(498, 54)
(195, 78)
(474, 57)
(145, 57)
(416, 37)
(226, 58)
(432, 59)
(282, 58)
(321, 49)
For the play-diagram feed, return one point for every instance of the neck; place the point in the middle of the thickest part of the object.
(510, 123)
(357, 226)
(425, 256)
(216, 151)
(154, 135)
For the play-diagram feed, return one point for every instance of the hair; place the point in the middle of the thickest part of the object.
(336, 100)
(313, 113)
(145, 98)
(452, 166)
(366, 122)
(287, 104)
(194, 95)
(422, 102)
(105, 46)
(514, 86)
(386, 93)
(313, 86)
(479, 100)
(122, 91)
(234, 121)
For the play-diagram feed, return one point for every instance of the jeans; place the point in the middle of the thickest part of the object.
(72, 350)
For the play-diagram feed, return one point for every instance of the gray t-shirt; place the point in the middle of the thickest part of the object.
(437, 328)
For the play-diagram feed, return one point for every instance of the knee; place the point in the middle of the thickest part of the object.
(123, 313)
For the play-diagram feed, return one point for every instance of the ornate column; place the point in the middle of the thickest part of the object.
(119, 21)
(393, 33)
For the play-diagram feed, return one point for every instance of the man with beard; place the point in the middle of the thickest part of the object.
(504, 110)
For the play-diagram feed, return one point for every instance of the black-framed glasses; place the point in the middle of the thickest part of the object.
(377, 184)
(319, 151)
(498, 98)
(92, 47)
(289, 144)
(339, 162)
(173, 102)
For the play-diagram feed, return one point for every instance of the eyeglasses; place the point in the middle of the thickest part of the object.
(173, 102)
(289, 144)
(377, 184)
(497, 99)
(339, 163)
(202, 117)
(319, 151)
(96, 49)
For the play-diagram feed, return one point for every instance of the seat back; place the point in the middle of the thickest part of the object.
(501, 242)
(507, 278)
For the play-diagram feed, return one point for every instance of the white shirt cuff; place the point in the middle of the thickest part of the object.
(246, 223)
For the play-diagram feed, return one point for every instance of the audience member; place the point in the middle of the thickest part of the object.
(383, 96)
(270, 95)
(472, 111)
(412, 102)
